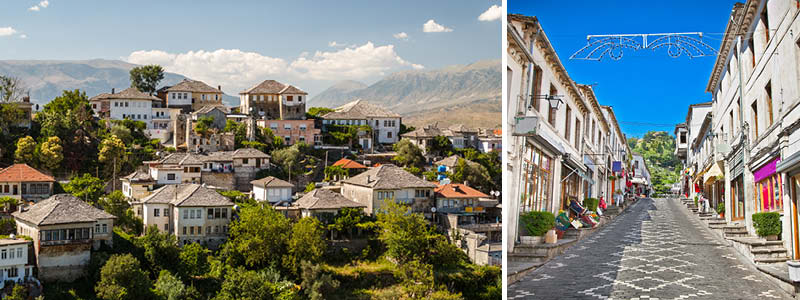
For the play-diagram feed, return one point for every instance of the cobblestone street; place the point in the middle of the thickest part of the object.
(654, 250)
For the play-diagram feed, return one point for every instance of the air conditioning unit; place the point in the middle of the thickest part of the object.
(525, 125)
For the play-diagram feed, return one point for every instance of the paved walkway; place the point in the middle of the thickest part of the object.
(654, 250)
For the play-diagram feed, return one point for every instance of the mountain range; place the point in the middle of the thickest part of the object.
(468, 94)
(46, 79)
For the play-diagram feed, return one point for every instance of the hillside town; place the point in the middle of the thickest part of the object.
(180, 183)
(727, 222)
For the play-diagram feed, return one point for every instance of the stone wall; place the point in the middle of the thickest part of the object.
(63, 262)
(222, 180)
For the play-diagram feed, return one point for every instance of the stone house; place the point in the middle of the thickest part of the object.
(192, 212)
(321, 203)
(137, 185)
(14, 264)
(129, 103)
(389, 182)
(385, 124)
(273, 100)
(272, 190)
(181, 167)
(23, 182)
(64, 229)
(293, 131)
(191, 95)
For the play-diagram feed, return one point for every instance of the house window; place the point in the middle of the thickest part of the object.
(768, 89)
(156, 212)
(19, 252)
(170, 176)
(217, 213)
(224, 213)
(567, 122)
(210, 213)
(389, 134)
(191, 214)
(754, 108)
(287, 126)
(577, 132)
(199, 213)
(10, 255)
(288, 98)
(13, 272)
(166, 227)
(191, 230)
(186, 214)
(216, 229)
(765, 19)
(245, 160)
(105, 228)
(96, 228)
(184, 230)
(208, 230)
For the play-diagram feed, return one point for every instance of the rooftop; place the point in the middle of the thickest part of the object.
(457, 190)
(325, 199)
(349, 164)
(138, 176)
(388, 176)
(188, 85)
(23, 173)
(360, 109)
(62, 209)
(272, 87)
(129, 93)
(270, 181)
(187, 194)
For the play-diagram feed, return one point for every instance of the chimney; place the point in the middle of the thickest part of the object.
(113, 90)
(26, 99)
(219, 87)
(368, 179)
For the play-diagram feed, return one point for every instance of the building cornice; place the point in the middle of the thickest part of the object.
(739, 23)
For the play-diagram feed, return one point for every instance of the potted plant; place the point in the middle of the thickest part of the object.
(721, 210)
(768, 225)
(536, 224)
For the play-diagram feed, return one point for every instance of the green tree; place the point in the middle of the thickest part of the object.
(406, 235)
(122, 278)
(317, 112)
(310, 187)
(335, 172)
(315, 283)
(258, 239)
(26, 150)
(112, 153)
(19, 292)
(194, 260)
(86, 187)
(253, 285)
(161, 250)
(348, 220)
(408, 154)
(70, 117)
(474, 175)
(51, 153)
(405, 129)
(204, 126)
(440, 145)
(146, 78)
(306, 243)
(116, 204)
(169, 287)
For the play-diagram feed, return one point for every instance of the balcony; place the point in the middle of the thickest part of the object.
(65, 242)
(460, 209)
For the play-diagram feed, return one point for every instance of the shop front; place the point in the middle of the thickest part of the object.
(537, 180)
(713, 187)
(738, 201)
(768, 190)
(573, 175)
(789, 171)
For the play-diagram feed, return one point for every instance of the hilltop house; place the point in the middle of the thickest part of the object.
(130, 103)
(320, 202)
(23, 182)
(389, 182)
(293, 131)
(176, 168)
(273, 100)
(385, 125)
(64, 229)
(352, 167)
(192, 212)
(14, 260)
(451, 162)
(459, 135)
(272, 190)
(190, 95)
(137, 185)
(213, 140)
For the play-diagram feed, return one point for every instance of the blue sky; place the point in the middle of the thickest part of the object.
(239, 43)
(645, 86)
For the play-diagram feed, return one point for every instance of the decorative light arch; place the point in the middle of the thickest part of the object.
(613, 46)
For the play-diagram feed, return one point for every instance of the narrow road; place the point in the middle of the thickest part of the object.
(654, 250)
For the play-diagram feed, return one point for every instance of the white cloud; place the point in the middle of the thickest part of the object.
(336, 44)
(417, 66)
(233, 69)
(401, 36)
(6, 31)
(42, 4)
(23, 36)
(493, 13)
(355, 62)
(432, 26)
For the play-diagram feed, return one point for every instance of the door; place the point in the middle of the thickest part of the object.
(258, 163)
(793, 184)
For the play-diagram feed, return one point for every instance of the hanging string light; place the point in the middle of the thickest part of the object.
(690, 44)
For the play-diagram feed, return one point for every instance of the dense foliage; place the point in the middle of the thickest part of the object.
(537, 223)
(657, 148)
(767, 223)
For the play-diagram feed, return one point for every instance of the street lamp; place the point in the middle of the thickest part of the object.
(555, 100)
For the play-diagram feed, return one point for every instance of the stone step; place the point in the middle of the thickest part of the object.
(527, 257)
(529, 249)
(738, 234)
(734, 228)
(716, 226)
(768, 253)
(717, 222)
(770, 260)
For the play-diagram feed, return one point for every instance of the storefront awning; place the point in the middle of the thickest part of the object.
(576, 167)
(639, 180)
(790, 165)
(712, 173)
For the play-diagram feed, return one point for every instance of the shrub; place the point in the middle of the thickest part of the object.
(537, 223)
(591, 203)
(767, 223)
(721, 208)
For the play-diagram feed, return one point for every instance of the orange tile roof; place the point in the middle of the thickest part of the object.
(349, 164)
(23, 173)
(457, 190)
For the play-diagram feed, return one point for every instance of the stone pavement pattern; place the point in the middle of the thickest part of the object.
(654, 250)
